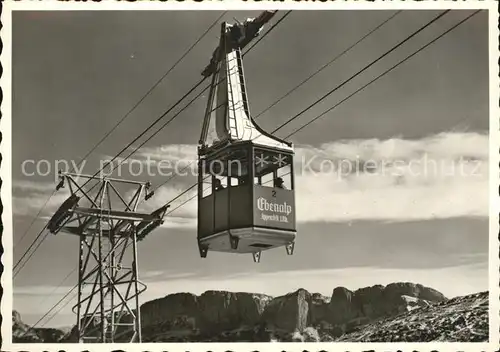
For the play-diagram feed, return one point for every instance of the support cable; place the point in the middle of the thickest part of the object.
(156, 121)
(104, 138)
(381, 75)
(59, 310)
(208, 86)
(58, 286)
(345, 82)
(153, 87)
(362, 70)
(171, 108)
(344, 52)
(269, 31)
(51, 309)
(357, 91)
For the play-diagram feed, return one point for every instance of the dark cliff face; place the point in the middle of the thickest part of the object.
(341, 308)
(222, 311)
(290, 312)
(169, 308)
(211, 313)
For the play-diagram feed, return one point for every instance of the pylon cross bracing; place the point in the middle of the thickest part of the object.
(105, 218)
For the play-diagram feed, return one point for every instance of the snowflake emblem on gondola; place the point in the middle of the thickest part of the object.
(261, 160)
(280, 160)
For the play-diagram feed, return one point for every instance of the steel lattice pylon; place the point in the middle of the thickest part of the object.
(108, 227)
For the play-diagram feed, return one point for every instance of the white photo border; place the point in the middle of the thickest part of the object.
(6, 171)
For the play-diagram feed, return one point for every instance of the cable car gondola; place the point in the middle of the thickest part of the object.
(246, 201)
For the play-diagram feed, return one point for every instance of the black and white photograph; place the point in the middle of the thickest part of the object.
(249, 174)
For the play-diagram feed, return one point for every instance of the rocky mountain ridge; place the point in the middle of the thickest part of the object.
(298, 316)
(187, 317)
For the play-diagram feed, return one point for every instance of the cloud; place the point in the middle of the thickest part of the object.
(172, 152)
(31, 186)
(152, 273)
(441, 176)
(442, 146)
(164, 194)
(182, 213)
(165, 274)
(164, 156)
(31, 204)
(164, 161)
(176, 222)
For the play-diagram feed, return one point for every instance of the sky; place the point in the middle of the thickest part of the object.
(419, 214)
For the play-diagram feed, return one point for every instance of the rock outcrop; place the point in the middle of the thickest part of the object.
(170, 308)
(291, 312)
(413, 290)
(456, 320)
(22, 332)
(221, 311)
(349, 309)
(341, 308)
